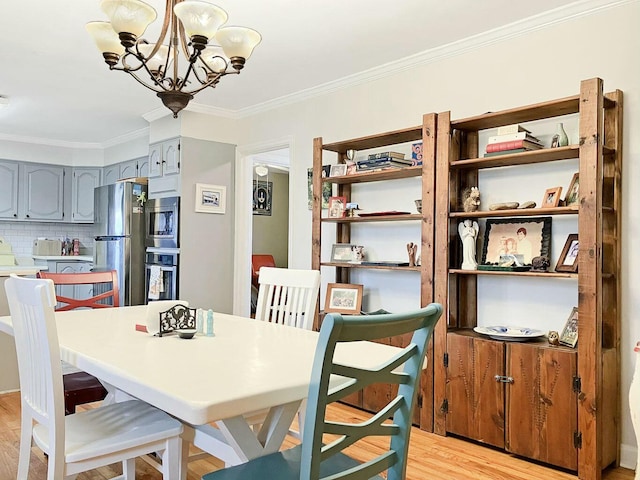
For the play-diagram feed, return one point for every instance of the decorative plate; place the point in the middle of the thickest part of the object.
(509, 334)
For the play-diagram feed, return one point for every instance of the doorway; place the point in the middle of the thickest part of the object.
(275, 156)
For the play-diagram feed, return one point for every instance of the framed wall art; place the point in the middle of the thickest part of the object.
(551, 197)
(568, 260)
(211, 198)
(529, 237)
(572, 197)
(262, 192)
(343, 298)
(569, 335)
(326, 187)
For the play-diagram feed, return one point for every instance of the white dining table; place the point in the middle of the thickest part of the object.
(246, 366)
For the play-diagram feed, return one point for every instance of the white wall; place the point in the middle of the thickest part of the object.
(539, 65)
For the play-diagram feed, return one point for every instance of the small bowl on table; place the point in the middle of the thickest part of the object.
(186, 333)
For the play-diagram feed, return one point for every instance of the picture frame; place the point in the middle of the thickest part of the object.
(551, 197)
(568, 260)
(337, 207)
(211, 198)
(569, 335)
(262, 197)
(326, 188)
(342, 252)
(529, 237)
(573, 192)
(338, 170)
(343, 298)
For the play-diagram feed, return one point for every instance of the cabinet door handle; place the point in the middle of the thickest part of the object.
(503, 379)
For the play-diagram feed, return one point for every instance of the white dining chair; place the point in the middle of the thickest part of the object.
(86, 440)
(287, 297)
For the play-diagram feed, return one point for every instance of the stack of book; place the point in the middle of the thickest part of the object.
(383, 160)
(512, 139)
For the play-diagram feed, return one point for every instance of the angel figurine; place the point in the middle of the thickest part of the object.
(468, 231)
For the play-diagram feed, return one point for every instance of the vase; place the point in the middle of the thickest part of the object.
(634, 404)
(563, 140)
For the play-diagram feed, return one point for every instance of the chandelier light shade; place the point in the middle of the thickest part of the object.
(192, 52)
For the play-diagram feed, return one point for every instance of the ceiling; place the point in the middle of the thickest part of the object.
(62, 93)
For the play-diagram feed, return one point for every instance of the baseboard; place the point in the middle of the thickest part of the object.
(628, 456)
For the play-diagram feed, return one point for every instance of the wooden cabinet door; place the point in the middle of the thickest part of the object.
(9, 190)
(43, 192)
(475, 398)
(85, 180)
(542, 409)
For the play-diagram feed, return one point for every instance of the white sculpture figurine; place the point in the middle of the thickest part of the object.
(468, 231)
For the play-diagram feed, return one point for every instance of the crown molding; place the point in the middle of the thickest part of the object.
(497, 35)
(49, 142)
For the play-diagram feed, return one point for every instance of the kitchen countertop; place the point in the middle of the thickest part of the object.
(5, 271)
(68, 258)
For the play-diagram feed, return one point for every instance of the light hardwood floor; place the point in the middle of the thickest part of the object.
(432, 457)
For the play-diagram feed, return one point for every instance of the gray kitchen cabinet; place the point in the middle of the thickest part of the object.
(128, 169)
(110, 174)
(9, 190)
(164, 168)
(143, 167)
(85, 180)
(68, 266)
(42, 188)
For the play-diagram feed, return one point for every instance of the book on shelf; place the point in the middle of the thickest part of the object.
(379, 166)
(526, 144)
(506, 152)
(515, 128)
(373, 156)
(509, 137)
(370, 164)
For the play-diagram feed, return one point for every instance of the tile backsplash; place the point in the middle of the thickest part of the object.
(22, 234)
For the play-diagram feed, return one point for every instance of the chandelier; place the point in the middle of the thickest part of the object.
(196, 38)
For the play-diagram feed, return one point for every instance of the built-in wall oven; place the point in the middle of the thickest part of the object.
(163, 222)
(161, 274)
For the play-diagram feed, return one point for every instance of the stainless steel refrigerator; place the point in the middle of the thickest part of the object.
(120, 232)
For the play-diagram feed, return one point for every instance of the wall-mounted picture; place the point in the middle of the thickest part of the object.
(343, 298)
(338, 170)
(572, 197)
(337, 207)
(551, 197)
(568, 260)
(342, 252)
(262, 192)
(529, 237)
(210, 198)
(326, 187)
(569, 335)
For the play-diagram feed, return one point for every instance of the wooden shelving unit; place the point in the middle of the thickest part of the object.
(561, 405)
(343, 226)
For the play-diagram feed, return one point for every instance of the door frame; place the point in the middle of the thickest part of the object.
(244, 217)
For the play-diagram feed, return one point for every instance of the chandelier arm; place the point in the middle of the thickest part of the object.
(128, 68)
(183, 41)
(211, 82)
(161, 89)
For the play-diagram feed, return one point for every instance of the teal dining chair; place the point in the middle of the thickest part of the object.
(321, 456)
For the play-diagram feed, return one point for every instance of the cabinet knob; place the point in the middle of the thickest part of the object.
(15, 214)
(157, 163)
(27, 216)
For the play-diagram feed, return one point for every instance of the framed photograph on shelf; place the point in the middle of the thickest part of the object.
(342, 252)
(551, 197)
(337, 207)
(568, 260)
(572, 197)
(569, 335)
(338, 170)
(529, 237)
(343, 298)
(210, 198)
(326, 188)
